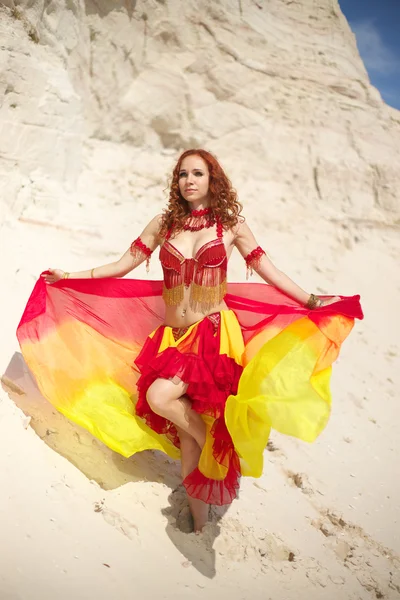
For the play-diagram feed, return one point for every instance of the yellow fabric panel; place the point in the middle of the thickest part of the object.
(249, 427)
(103, 403)
(107, 411)
(231, 338)
(279, 389)
(257, 342)
(207, 463)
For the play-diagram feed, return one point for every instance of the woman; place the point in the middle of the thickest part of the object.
(189, 368)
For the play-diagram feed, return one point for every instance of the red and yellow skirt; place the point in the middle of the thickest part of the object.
(95, 347)
(207, 356)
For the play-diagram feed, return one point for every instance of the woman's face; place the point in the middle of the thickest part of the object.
(193, 180)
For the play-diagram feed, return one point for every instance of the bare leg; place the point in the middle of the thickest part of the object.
(190, 454)
(167, 400)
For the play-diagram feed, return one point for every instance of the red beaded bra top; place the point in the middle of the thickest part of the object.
(205, 274)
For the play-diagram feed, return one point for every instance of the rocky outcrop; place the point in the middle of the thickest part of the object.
(277, 90)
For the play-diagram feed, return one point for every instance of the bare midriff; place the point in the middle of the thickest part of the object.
(183, 316)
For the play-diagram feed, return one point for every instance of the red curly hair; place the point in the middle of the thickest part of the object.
(224, 202)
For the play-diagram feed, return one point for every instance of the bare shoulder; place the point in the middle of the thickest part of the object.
(157, 220)
(240, 227)
(150, 235)
(154, 225)
(231, 233)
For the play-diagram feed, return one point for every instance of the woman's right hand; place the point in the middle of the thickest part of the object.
(53, 275)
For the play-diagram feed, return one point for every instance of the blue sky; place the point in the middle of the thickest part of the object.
(376, 24)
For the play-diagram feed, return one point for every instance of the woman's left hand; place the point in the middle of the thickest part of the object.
(326, 301)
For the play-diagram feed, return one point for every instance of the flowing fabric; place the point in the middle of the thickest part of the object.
(91, 344)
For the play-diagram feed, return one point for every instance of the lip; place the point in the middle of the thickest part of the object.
(190, 191)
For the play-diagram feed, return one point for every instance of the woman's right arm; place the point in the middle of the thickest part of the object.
(139, 251)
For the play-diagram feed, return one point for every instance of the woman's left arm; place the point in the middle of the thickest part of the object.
(258, 261)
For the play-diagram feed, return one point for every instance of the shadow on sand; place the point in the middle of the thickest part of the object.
(198, 549)
(111, 470)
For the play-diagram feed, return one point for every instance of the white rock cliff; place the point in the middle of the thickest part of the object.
(278, 86)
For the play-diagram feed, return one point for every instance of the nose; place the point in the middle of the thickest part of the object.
(190, 178)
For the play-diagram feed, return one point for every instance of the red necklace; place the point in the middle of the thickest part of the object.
(201, 212)
(199, 219)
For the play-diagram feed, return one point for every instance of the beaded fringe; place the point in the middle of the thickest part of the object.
(204, 298)
(174, 295)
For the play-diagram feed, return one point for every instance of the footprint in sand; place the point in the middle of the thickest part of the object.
(113, 518)
(300, 481)
(277, 452)
(377, 568)
(238, 542)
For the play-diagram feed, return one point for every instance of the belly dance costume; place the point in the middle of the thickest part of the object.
(207, 356)
(96, 345)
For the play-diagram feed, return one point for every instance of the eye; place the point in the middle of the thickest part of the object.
(198, 173)
(182, 174)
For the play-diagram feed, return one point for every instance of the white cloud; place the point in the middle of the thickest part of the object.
(376, 55)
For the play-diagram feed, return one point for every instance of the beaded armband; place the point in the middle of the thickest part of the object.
(139, 250)
(253, 260)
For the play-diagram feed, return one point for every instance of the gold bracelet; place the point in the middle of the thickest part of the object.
(91, 273)
(66, 275)
(313, 302)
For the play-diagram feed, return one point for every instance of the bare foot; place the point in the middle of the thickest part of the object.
(190, 452)
(200, 511)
